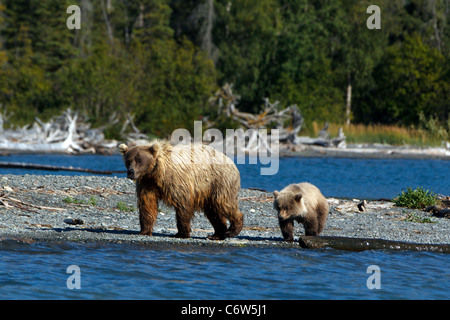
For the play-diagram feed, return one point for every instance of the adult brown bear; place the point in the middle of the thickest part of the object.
(189, 178)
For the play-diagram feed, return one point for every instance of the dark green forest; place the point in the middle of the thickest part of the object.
(161, 60)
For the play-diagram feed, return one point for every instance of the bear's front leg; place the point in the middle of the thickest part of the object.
(148, 209)
(287, 229)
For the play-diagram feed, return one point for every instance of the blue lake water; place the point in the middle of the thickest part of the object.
(122, 271)
(336, 177)
(119, 271)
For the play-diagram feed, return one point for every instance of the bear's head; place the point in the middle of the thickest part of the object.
(139, 160)
(289, 205)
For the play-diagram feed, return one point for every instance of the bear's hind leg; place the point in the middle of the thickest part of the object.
(236, 224)
(184, 217)
(322, 214)
(218, 222)
(311, 227)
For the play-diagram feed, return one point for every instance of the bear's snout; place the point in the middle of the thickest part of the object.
(130, 174)
(282, 215)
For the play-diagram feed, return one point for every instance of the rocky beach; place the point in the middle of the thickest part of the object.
(37, 208)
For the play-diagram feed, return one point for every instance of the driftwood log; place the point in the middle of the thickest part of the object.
(438, 211)
(442, 209)
(324, 140)
(360, 244)
(21, 165)
(269, 117)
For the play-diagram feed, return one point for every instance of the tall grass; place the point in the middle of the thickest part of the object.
(383, 134)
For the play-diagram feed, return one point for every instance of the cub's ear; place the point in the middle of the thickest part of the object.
(153, 149)
(276, 193)
(123, 148)
(298, 197)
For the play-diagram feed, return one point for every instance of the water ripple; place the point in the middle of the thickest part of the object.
(113, 271)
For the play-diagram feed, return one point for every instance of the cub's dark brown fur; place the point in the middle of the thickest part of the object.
(189, 178)
(304, 203)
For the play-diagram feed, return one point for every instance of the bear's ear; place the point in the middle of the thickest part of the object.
(154, 149)
(298, 197)
(123, 148)
(276, 193)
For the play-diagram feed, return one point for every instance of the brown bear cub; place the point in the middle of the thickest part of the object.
(304, 203)
(189, 178)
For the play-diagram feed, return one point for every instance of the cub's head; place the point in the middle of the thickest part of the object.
(289, 205)
(139, 160)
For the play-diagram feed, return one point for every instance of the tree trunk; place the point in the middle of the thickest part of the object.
(348, 106)
(207, 37)
(436, 31)
(108, 25)
(140, 21)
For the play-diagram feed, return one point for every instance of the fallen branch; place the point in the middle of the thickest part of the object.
(9, 202)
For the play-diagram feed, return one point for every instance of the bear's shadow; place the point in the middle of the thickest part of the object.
(157, 234)
(95, 230)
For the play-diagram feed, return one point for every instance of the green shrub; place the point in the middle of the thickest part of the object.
(416, 199)
(69, 199)
(411, 217)
(122, 206)
(91, 202)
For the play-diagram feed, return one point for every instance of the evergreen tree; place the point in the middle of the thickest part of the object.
(177, 77)
(246, 37)
(162, 59)
(410, 81)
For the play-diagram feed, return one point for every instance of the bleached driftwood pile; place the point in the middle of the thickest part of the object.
(270, 117)
(288, 121)
(67, 133)
(57, 135)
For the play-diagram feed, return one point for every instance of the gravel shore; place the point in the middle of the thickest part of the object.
(103, 209)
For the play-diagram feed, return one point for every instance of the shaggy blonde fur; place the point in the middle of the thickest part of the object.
(188, 177)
